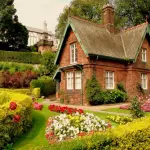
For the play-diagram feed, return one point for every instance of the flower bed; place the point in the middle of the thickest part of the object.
(120, 119)
(145, 104)
(65, 127)
(15, 116)
(64, 109)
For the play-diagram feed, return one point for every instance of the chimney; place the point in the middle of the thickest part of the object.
(108, 17)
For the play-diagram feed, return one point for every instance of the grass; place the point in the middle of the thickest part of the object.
(35, 138)
(118, 110)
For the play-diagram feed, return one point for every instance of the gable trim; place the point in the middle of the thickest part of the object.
(143, 38)
(69, 24)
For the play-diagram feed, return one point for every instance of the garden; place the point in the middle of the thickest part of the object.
(27, 123)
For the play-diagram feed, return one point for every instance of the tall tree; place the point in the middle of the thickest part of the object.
(12, 33)
(86, 9)
(131, 12)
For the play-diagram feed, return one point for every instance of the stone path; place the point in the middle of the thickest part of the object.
(98, 108)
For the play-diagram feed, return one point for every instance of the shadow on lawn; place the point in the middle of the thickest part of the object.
(38, 123)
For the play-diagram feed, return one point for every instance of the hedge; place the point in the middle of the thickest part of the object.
(47, 86)
(133, 136)
(9, 129)
(21, 57)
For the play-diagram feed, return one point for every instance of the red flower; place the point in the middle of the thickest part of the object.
(81, 111)
(16, 118)
(12, 106)
(109, 125)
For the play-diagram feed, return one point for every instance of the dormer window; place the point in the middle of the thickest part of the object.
(73, 53)
(144, 55)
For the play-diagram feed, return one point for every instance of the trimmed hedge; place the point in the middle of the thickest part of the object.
(47, 86)
(10, 130)
(21, 57)
(134, 135)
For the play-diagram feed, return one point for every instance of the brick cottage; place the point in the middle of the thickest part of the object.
(113, 56)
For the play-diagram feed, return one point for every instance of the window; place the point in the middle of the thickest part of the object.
(109, 80)
(144, 55)
(78, 80)
(73, 53)
(144, 81)
(69, 80)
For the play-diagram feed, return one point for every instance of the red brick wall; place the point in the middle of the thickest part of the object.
(129, 75)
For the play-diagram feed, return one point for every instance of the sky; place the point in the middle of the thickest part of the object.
(33, 13)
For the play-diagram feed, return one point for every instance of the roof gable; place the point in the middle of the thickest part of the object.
(97, 40)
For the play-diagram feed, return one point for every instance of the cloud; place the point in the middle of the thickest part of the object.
(33, 12)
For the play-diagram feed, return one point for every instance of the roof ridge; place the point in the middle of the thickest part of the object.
(85, 20)
(133, 27)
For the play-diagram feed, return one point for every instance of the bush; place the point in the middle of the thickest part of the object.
(134, 135)
(120, 87)
(47, 61)
(47, 86)
(36, 92)
(21, 57)
(18, 79)
(93, 91)
(15, 116)
(114, 96)
(136, 108)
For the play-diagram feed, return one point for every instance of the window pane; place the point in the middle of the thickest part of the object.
(109, 80)
(69, 80)
(73, 53)
(78, 80)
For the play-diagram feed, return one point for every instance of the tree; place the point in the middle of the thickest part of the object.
(86, 9)
(131, 12)
(47, 62)
(12, 33)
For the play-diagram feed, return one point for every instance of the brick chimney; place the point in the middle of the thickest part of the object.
(108, 17)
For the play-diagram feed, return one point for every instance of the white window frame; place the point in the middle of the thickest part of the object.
(144, 81)
(73, 53)
(78, 80)
(144, 56)
(69, 80)
(109, 79)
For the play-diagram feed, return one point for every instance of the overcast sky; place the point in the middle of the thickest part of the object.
(33, 12)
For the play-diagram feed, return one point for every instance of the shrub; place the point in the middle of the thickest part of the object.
(114, 96)
(93, 91)
(120, 87)
(47, 60)
(15, 117)
(134, 135)
(47, 86)
(21, 57)
(18, 79)
(136, 108)
(36, 92)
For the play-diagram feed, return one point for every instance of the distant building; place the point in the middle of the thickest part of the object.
(36, 35)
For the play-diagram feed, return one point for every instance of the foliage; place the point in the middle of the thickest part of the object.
(120, 119)
(136, 108)
(13, 33)
(20, 57)
(36, 92)
(133, 135)
(15, 117)
(21, 91)
(89, 9)
(140, 89)
(18, 79)
(47, 61)
(13, 67)
(130, 13)
(93, 91)
(96, 96)
(120, 87)
(47, 86)
(63, 127)
(113, 96)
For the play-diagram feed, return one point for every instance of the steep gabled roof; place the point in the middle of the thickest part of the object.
(95, 39)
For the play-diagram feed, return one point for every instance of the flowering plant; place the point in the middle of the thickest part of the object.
(12, 106)
(16, 118)
(64, 109)
(37, 106)
(64, 126)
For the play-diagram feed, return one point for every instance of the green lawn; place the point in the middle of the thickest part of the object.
(35, 138)
(118, 110)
